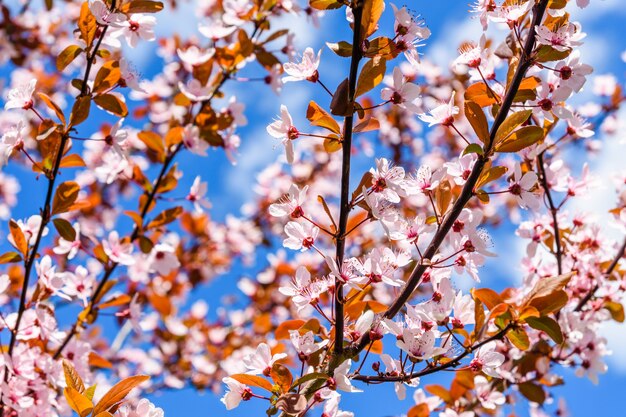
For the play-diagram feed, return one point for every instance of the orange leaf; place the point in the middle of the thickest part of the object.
(119, 391)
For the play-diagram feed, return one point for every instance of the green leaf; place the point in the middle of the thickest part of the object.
(547, 325)
(510, 124)
(308, 377)
(521, 139)
(473, 148)
(342, 48)
(65, 229)
(68, 55)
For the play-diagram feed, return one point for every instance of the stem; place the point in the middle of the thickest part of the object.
(609, 271)
(553, 210)
(324, 87)
(345, 180)
(136, 230)
(432, 369)
(46, 212)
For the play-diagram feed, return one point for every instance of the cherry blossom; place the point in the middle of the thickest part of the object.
(401, 93)
(197, 194)
(564, 38)
(291, 204)
(442, 114)
(21, 97)
(237, 392)
(193, 141)
(261, 361)
(300, 236)
(521, 187)
(284, 130)
(487, 360)
(305, 69)
(137, 27)
(118, 251)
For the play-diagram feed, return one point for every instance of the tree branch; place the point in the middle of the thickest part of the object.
(432, 369)
(609, 271)
(468, 190)
(553, 211)
(348, 125)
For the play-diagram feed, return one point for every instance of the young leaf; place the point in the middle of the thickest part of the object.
(519, 338)
(78, 402)
(72, 379)
(320, 117)
(52, 105)
(19, 240)
(325, 4)
(141, 6)
(343, 48)
(372, 10)
(165, 217)
(254, 381)
(10, 257)
(118, 393)
(480, 94)
(477, 119)
(68, 55)
(80, 110)
(521, 139)
(547, 325)
(112, 103)
(72, 161)
(65, 229)
(108, 76)
(65, 196)
(340, 104)
(510, 124)
(281, 375)
(371, 75)
(87, 25)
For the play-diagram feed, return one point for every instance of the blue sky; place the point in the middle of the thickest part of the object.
(450, 24)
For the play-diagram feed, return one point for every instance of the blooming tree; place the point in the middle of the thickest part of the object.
(381, 204)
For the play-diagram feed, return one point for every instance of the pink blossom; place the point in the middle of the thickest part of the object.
(117, 251)
(304, 70)
(284, 130)
(21, 97)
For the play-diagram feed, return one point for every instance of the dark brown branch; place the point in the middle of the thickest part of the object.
(609, 271)
(46, 212)
(345, 207)
(468, 190)
(558, 254)
(136, 230)
(432, 369)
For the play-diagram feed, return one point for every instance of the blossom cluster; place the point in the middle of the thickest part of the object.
(368, 247)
